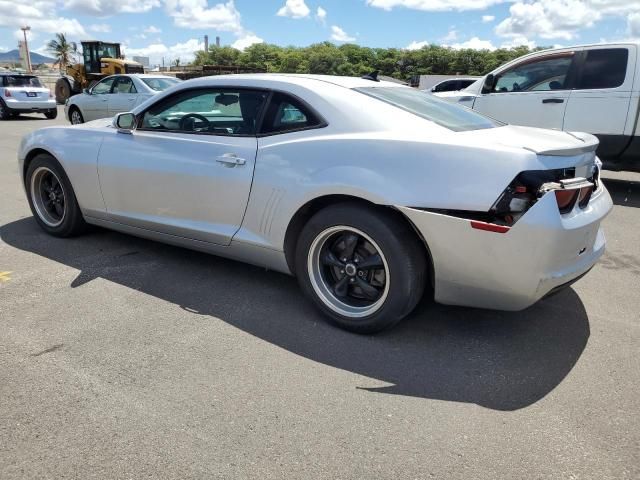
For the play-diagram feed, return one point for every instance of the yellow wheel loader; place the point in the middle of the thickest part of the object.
(100, 60)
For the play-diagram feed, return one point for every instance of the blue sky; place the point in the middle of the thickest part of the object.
(174, 28)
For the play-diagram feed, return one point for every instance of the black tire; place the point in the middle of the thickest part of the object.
(63, 90)
(401, 251)
(75, 116)
(71, 221)
(5, 112)
(51, 114)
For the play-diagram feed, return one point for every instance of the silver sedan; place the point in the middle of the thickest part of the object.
(115, 94)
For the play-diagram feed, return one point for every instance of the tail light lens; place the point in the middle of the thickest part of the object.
(50, 94)
(7, 93)
(585, 196)
(566, 199)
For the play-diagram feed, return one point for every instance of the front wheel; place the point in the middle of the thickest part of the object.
(51, 198)
(363, 267)
(75, 117)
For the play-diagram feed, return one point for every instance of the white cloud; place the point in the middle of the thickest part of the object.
(246, 40)
(519, 41)
(196, 15)
(294, 9)
(3, 49)
(339, 35)
(321, 15)
(40, 15)
(633, 25)
(157, 51)
(488, 18)
(474, 43)
(450, 36)
(152, 29)
(415, 45)
(109, 7)
(100, 27)
(434, 5)
(550, 19)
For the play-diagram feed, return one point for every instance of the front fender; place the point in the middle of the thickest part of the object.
(76, 149)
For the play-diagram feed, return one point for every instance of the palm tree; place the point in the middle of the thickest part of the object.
(62, 50)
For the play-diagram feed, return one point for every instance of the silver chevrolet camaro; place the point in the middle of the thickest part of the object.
(368, 192)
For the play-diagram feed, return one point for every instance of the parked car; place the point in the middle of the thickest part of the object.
(353, 185)
(453, 84)
(590, 88)
(21, 93)
(115, 94)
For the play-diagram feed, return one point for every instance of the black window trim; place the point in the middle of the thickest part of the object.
(234, 88)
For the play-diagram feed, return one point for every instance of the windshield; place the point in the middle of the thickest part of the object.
(445, 114)
(22, 81)
(160, 84)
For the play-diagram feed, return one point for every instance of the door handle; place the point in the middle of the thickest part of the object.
(230, 160)
(553, 100)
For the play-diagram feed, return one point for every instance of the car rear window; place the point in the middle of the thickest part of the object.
(160, 84)
(604, 68)
(21, 81)
(443, 113)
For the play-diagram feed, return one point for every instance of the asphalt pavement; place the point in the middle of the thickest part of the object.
(122, 358)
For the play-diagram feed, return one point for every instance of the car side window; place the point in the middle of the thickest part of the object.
(212, 111)
(538, 75)
(103, 87)
(285, 113)
(124, 85)
(604, 68)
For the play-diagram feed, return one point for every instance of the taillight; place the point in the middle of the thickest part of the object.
(50, 94)
(585, 196)
(566, 199)
(7, 93)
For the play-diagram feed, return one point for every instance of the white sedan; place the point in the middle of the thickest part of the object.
(369, 192)
(115, 94)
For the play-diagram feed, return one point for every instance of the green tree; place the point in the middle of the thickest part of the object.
(62, 50)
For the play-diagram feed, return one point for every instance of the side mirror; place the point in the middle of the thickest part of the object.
(125, 122)
(87, 91)
(489, 83)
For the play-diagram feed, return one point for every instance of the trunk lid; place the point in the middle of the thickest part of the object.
(541, 141)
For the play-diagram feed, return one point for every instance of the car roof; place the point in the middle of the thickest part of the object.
(298, 79)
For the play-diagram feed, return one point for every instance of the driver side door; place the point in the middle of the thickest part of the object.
(187, 169)
(532, 93)
(95, 105)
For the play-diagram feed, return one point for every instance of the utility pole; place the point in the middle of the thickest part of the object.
(25, 29)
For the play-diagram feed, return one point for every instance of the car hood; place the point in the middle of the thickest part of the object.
(538, 140)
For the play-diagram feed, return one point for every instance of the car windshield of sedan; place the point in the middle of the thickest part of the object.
(160, 84)
(22, 81)
(445, 114)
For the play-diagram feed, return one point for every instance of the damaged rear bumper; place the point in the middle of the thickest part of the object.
(510, 271)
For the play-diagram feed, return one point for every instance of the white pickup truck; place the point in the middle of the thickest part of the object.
(589, 88)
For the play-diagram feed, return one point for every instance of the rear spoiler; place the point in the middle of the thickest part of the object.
(590, 144)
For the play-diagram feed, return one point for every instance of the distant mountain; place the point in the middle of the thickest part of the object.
(14, 56)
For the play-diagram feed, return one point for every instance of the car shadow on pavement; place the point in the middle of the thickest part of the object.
(500, 360)
(625, 193)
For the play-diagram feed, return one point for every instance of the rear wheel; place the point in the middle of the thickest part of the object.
(51, 198)
(75, 117)
(5, 113)
(363, 267)
(51, 114)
